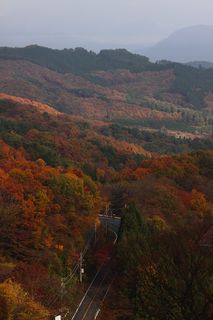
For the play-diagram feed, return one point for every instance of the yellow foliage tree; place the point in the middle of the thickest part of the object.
(198, 202)
(18, 305)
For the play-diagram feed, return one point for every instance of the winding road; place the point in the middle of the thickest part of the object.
(90, 305)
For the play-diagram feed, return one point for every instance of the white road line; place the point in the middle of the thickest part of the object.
(102, 280)
(97, 313)
(87, 291)
(116, 237)
(107, 291)
(114, 242)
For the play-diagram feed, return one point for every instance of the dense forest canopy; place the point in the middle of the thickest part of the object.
(163, 271)
(193, 83)
(82, 134)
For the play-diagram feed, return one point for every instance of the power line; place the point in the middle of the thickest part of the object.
(67, 279)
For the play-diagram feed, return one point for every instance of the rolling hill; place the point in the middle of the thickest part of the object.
(77, 60)
(166, 99)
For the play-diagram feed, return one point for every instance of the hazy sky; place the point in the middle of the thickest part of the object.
(97, 24)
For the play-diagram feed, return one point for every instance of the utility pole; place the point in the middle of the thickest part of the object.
(107, 209)
(62, 289)
(95, 233)
(81, 268)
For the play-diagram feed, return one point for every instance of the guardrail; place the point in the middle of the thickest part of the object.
(109, 217)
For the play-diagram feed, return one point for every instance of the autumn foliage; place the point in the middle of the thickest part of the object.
(45, 216)
(56, 174)
(164, 271)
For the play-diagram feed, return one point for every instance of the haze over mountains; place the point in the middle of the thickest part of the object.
(191, 44)
(187, 44)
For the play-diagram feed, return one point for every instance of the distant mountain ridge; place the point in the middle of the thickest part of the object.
(78, 60)
(201, 64)
(187, 44)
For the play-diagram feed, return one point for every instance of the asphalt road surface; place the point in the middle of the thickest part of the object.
(90, 305)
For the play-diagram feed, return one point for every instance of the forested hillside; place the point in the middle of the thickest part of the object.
(190, 82)
(94, 146)
(163, 269)
(83, 134)
(172, 98)
(78, 60)
(46, 215)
